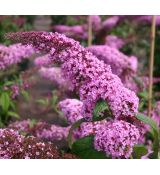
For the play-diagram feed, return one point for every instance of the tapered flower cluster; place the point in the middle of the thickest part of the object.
(14, 54)
(41, 130)
(54, 74)
(92, 78)
(15, 146)
(121, 64)
(72, 109)
(42, 61)
(114, 41)
(117, 139)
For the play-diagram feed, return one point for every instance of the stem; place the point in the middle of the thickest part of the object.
(151, 65)
(89, 30)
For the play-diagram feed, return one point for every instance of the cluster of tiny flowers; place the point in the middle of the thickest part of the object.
(114, 41)
(72, 109)
(53, 133)
(88, 128)
(121, 64)
(15, 146)
(92, 78)
(117, 139)
(14, 54)
(42, 61)
(41, 130)
(54, 74)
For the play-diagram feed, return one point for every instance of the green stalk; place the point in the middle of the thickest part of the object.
(151, 65)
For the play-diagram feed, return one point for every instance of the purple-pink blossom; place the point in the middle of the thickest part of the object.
(110, 22)
(42, 61)
(54, 74)
(15, 146)
(15, 91)
(14, 54)
(121, 64)
(72, 109)
(114, 41)
(116, 139)
(147, 19)
(41, 130)
(88, 128)
(77, 31)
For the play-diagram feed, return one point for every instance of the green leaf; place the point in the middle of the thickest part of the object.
(8, 83)
(100, 107)
(74, 126)
(32, 123)
(42, 101)
(83, 148)
(143, 95)
(5, 102)
(13, 105)
(139, 81)
(147, 120)
(155, 132)
(25, 95)
(54, 100)
(13, 114)
(139, 151)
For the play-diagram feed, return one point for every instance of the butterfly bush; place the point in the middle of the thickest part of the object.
(41, 130)
(14, 54)
(54, 74)
(72, 109)
(14, 146)
(106, 133)
(117, 139)
(114, 41)
(91, 77)
(121, 64)
(42, 61)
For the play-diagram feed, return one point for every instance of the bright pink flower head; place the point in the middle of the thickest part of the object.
(117, 139)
